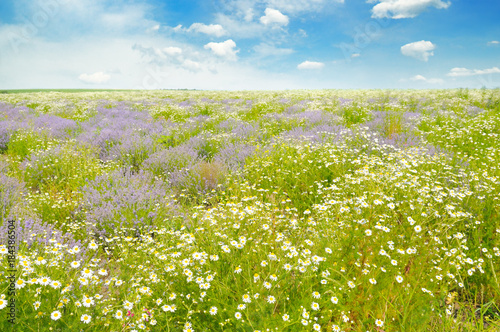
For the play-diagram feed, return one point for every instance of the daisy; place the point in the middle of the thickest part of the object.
(247, 298)
(314, 306)
(36, 304)
(44, 281)
(119, 314)
(128, 305)
(241, 307)
(285, 317)
(317, 327)
(213, 311)
(334, 300)
(55, 284)
(88, 301)
(3, 303)
(316, 295)
(399, 279)
(237, 315)
(86, 318)
(55, 315)
(373, 281)
(271, 299)
(20, 284)
(379, 323)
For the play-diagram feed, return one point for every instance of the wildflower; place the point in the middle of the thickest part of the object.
(102, 272)
(237, 315)
(128, 305)
(55, 284)
(317, 327)
(287, 267)
(334, 300)
(87, 273)
(213, 311)
(271, 299)
(368, 232)
(238, 270)
(119, 314)
(351, 284)
(36, 305)
(247, 298)
(379, 323)
(267, 285)
(399, 279)
(55, 315)
(3, 302)
(285, 317)
(93, 245)
(20, 284)
(86, 318)
(241, 307)
(88, 301)
(373, 281)
(315, 306)
(44, 281)
(316, 295)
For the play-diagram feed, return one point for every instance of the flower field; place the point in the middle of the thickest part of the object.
(368, 210)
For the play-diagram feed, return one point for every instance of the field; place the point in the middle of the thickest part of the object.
(363, 210)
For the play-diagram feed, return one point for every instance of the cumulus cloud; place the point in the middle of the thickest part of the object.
(427, 80)
(311, 65)
(299, 6)
(95, 78)
(172, 50)
(494, 42)
(420, 50)
(224, 49)
(211, 29)
(459, 72)
(268, 49)
(397, 9)
(191, 65)
(274, 16)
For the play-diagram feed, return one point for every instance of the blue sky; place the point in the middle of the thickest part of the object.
(249, 44)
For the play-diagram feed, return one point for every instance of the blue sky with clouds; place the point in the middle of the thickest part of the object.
(249, 44)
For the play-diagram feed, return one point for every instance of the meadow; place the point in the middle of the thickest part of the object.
(327, 210)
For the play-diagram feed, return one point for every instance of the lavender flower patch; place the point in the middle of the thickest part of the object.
(123, 200)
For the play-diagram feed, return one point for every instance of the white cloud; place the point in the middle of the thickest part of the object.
(458, 72)
(494, 42)
(212, 29)
(300, 6)
(172, 50)
(266, 49)
(274, 16)
(191, 65)
(310, 65)
(95, 78)
(420, 50)
(426, 80)
(397, 9)
(156, 28)
(355, 55)
(225, 49)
